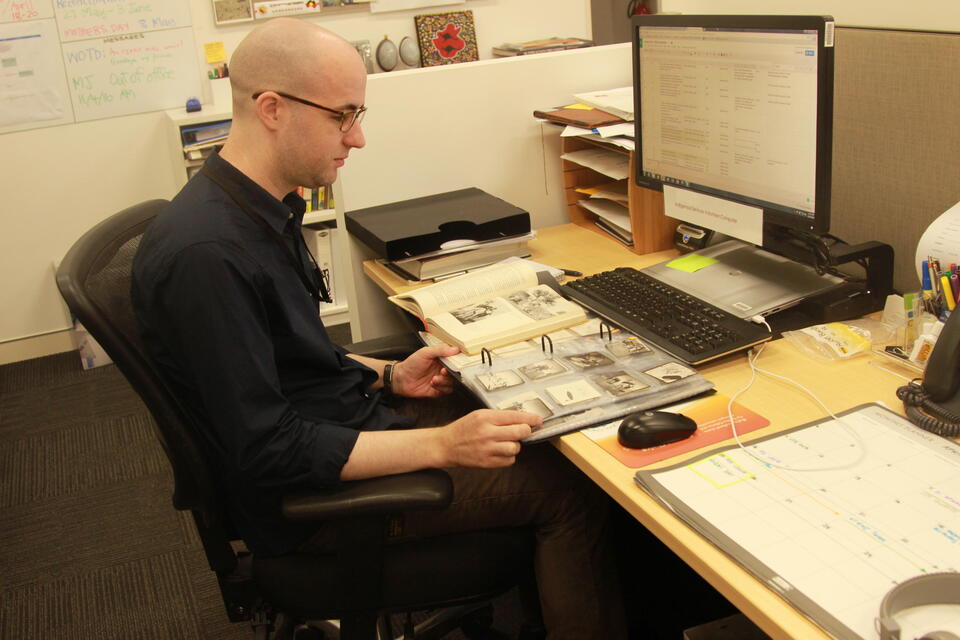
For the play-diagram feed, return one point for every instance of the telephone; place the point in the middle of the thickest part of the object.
(934, 403)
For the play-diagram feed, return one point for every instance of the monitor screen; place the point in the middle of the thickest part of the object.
(734, 119)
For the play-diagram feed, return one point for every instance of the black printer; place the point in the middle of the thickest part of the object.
(450, 220)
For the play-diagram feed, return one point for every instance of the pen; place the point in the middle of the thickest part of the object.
(571, 273)
(950, 300)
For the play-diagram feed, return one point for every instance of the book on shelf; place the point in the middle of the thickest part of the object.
(492, 307)
(577, 377)
(443, 263)
(586, 118)
(540, 46)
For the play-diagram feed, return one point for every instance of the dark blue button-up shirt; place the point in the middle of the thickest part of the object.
(225, 314)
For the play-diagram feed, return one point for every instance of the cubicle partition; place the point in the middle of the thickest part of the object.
(896, 138)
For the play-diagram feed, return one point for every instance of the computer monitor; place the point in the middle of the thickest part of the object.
(734, 120)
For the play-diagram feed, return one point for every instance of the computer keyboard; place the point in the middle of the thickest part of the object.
(684, 326)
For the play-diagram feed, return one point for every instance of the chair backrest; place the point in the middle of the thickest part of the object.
(94, 279)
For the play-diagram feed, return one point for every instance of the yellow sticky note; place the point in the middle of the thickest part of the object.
(691, 263)
(214, 52)
(579, 105)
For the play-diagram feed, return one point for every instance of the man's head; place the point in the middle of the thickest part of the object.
(278, 138)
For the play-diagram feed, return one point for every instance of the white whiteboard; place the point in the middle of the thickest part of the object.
(83, 19)
(78, 60)
(131, 74)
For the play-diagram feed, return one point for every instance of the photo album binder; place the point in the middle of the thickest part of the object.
(577, 377)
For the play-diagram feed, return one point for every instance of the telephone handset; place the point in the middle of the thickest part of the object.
(934, 403)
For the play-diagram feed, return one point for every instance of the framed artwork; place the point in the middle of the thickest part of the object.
(446, 38)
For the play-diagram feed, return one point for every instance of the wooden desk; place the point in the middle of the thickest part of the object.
(840, 385)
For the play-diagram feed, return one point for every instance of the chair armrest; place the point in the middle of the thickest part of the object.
(429, 489)
(387, 347)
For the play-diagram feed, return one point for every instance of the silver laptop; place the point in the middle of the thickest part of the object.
(746, 280)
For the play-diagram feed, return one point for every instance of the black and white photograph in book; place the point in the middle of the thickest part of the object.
(627, 347)
(572, 393)
(543, 369)
(535, 303)
(529, 402)
(476, 312)
(589, 360)
(618, 383)
(499, 380)
(670, 372)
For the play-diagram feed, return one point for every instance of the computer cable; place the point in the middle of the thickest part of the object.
(752, 356)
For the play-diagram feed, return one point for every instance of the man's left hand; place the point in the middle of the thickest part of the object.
(422, 375)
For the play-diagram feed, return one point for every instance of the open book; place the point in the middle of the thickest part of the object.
(492, 307)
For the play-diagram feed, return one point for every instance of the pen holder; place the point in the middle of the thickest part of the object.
(220, 92)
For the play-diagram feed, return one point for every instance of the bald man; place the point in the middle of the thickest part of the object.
(226, 295)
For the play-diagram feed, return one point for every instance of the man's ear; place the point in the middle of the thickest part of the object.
(269, 110)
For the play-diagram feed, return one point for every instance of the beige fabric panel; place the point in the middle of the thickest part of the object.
(896, 138)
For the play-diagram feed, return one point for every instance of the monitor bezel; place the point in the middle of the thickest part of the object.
(824, 25)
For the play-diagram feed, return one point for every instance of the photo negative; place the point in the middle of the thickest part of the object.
(499, 380)
(589, 360)
(670, 372)
(529, 402)
(543, 369)
(572, 393)
(618, 383)
(627, 347)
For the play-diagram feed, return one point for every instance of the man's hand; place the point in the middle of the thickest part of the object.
(422, 375)
(487, 438)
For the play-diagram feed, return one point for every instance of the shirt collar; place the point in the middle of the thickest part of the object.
(277, 213)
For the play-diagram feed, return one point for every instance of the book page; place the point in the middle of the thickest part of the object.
(468, 288)
(489, 321)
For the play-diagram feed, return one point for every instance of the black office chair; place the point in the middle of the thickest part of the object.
(366, 578)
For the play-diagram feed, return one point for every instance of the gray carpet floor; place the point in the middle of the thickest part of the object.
(90, 544)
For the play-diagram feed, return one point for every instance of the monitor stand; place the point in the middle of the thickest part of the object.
(745, 280)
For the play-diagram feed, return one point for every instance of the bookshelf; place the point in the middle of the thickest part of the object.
(321, 228)
(651, 230)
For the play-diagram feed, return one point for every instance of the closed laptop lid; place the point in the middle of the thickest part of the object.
(745, 280)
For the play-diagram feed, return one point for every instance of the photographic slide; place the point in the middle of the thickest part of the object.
(572, 393)
(618, 383)
(627, 347)
(670, 372)
(535, 303)
(543, 369)
(499, 380)
(529, 402)
(589, 360)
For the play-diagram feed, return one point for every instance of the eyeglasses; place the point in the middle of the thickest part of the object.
(347, 118)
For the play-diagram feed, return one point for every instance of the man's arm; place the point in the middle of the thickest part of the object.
(484, 438)
(420, 375)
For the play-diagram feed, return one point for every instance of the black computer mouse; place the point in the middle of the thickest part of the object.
(651, 428)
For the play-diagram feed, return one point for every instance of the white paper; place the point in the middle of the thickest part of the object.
(619, 101)
(32, 85)
(610, 163)
(941, 240)
(731, 218)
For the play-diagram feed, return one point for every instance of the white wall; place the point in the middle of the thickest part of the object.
(931, 15)
(59, 181)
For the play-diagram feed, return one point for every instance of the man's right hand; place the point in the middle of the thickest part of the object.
(487, 438)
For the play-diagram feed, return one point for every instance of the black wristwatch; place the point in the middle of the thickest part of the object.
(388, 378)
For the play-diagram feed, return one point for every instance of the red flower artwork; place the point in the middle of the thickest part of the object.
(448, 41)
(446, 38)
